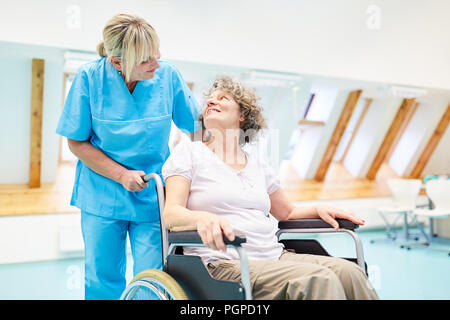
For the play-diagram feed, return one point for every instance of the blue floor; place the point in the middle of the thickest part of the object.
(420, 273)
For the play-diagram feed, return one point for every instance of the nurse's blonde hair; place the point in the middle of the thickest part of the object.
(130, 39)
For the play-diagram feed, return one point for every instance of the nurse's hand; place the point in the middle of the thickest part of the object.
(132, 180)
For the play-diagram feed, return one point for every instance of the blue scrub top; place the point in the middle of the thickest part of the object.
(132, 129)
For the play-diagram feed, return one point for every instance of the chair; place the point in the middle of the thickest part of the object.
(185, 276)
(438, 192)
(404, 202)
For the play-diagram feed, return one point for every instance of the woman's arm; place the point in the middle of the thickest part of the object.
(283, 209)
(99, 162)
(177, 217)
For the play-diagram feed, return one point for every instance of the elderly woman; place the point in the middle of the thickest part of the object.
(217, 188)
(117, 119)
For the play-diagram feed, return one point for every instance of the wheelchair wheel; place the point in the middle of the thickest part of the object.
(153, 284)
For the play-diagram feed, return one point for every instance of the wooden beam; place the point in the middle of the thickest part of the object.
(310, 123)
(355, 130)
(37, 98)
(431, 145)
(344, 118)
(392, 133)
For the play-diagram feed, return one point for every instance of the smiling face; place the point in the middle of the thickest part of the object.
(230, 105)
(144, 71)
(222, 111)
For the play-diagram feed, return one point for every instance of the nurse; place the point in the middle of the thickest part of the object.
(117, 119)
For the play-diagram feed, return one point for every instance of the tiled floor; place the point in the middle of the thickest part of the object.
(420, 273)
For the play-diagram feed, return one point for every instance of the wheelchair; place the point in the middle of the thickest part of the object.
(184, 277)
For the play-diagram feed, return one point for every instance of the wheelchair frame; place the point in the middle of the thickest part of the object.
(171, 241)
(169, 249)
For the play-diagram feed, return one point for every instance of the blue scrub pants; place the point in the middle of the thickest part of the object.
(105, 253)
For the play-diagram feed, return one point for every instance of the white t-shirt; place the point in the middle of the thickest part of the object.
(241, 197)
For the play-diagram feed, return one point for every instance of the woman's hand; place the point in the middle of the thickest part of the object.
(211, 229)
(330, 214)
(132, 180)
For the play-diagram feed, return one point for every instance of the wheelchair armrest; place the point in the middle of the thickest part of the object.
(315, 224)
(192, 237)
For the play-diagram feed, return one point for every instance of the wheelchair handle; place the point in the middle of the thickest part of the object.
(146, 177)
(192, 237)
(160, 196)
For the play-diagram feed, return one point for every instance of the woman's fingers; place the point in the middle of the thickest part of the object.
(343, 214)
(325, 214)
(206, 236)
(218, 237)
(210, 239)
(227, 230)
(329, 214)
(212, 230)
(330, 220)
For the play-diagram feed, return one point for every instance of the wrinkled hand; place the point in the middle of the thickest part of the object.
(132, 181)
(330, 214)
(211, 229)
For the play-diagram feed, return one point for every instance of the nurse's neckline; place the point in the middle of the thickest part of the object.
(131, 86)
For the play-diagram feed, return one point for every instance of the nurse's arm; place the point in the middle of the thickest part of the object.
(99, 162)
(177, 217)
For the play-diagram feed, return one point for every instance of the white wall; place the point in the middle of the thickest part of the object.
(326, 37)
(337, 104)
(403, 41)
(15, 99)
(310, 146)
(370, 135)
(40, 237)
(439, 163)
(304, 151)
(282, 108)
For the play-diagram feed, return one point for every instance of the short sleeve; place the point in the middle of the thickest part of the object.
(185, 107)
(271, 177)
(179, 162)
(75, 121)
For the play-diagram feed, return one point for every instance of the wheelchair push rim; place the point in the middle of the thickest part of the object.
(158, 282)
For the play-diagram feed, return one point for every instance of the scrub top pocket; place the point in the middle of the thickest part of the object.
(136, 144)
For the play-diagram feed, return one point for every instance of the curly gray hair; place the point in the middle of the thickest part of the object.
(248, 105)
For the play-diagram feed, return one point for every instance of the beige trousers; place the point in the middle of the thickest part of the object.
(300, 276)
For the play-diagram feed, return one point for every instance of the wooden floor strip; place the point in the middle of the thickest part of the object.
(51, 198)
